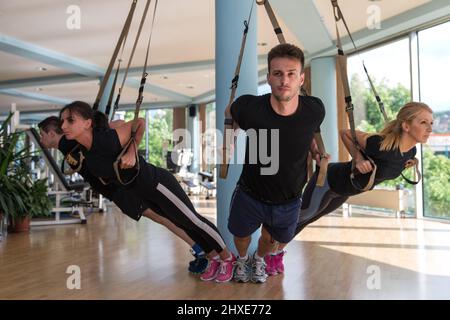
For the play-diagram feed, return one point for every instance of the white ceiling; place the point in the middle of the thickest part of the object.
(356, 12)
(184, 33)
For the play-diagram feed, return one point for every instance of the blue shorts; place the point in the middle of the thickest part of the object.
(247, 214)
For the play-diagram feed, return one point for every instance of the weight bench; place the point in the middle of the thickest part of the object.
(206, 176)
(190, 185)
(207, 183)
(209, 187)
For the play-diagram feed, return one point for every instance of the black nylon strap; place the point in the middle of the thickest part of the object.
(227, 141)
(114, 55)
(130, 59)
(132, 140)
(340, 17)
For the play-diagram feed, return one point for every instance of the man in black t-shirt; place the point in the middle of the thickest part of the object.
(280, 127)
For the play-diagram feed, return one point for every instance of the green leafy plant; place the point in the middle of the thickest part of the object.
(160, 130)
(12, 196)
(37, 201)
(19, 195)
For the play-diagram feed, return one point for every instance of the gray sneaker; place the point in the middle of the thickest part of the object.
(259, 274)
(243, 270)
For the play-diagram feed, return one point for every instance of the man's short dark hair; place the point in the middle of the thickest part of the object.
(286, 50)
(51, 123)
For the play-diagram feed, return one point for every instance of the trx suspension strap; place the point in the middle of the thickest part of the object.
(228, 136)
(317, 136)
(114, 56)
(132, 141)
(116, 102)
(273, 20)
(75, 157)
(342, 64)
(413, 163)
(113, 88)
(75, 160)
(379, 101)
(339, 16)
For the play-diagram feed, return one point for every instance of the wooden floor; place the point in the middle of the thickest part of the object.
(334, 258)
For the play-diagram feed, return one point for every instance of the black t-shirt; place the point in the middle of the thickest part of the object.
(104, 151)
(66, 146)
(296, 131)
(390, 165)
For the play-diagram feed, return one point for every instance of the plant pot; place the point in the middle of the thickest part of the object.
(21, 224)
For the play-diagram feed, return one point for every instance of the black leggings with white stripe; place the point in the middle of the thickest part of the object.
(166, 197)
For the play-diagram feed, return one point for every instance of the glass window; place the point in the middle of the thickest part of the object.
(159, 134)
(263, 89)
(391, 77)
(434, 63)
(389, 68)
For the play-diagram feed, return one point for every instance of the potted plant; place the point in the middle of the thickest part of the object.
(12, 196)
(11, 189)
(20, 197)
(13, 199)
(35, 203)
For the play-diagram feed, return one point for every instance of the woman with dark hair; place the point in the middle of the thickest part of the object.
(52, 137)
(155, 186)
(392, 150)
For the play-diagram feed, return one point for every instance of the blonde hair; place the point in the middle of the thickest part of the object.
(393, 130)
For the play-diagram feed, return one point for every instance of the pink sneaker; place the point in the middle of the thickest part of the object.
(271, 269)
(278, 262)
(226, 269)
(211, 271)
